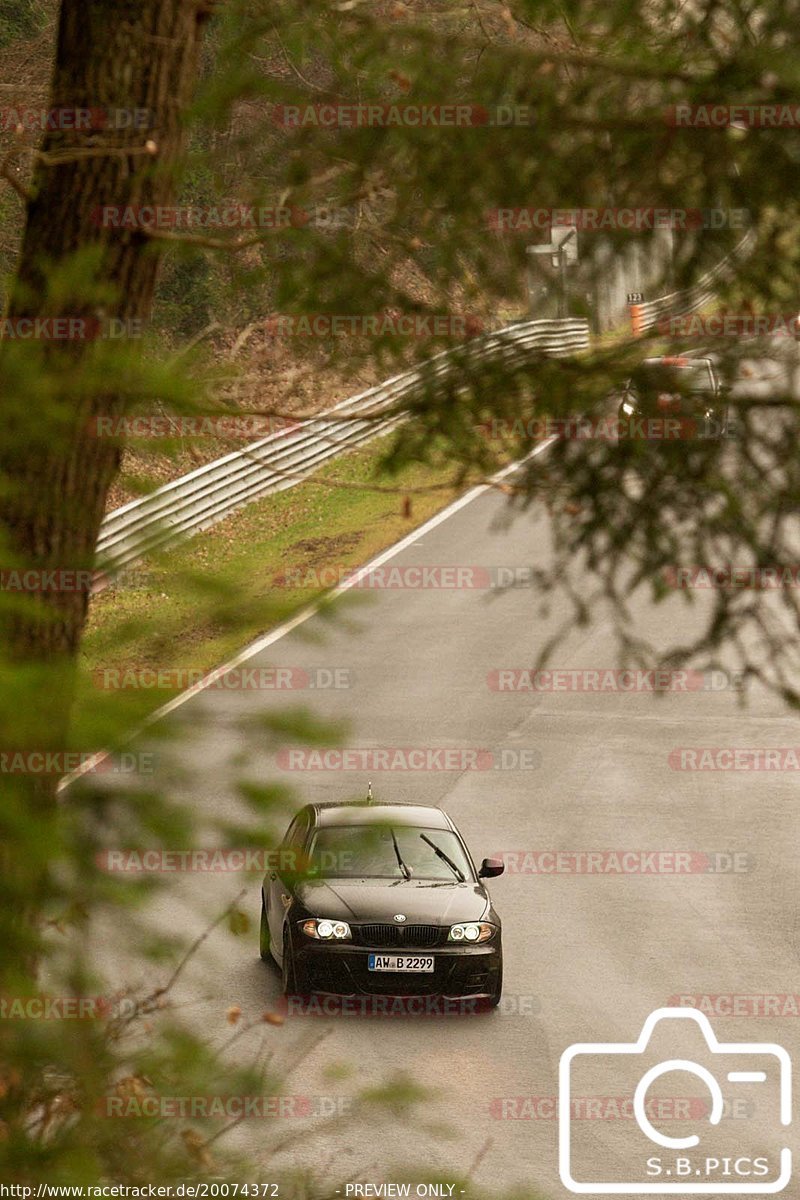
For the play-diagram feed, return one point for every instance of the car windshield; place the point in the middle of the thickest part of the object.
(388, 852)
(693, 379)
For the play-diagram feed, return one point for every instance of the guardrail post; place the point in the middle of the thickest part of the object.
(637, 319)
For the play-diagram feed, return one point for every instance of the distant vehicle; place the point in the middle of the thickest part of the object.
(381, 899)
(674, 399)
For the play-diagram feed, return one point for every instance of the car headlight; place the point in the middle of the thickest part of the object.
(326, 931)
(471, 931)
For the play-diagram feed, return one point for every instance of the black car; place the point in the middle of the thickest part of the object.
(381, 899)
(676, 398)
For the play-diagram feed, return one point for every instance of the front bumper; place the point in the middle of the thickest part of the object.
(343, 969)
(669, 427)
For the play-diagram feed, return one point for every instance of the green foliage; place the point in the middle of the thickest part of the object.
(184, 307)
(599, 79)
(20, 19)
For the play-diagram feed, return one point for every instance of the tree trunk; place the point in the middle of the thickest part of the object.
(111, 55)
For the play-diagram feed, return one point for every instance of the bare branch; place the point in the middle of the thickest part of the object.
(6, 173)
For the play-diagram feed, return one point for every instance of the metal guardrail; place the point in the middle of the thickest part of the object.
(200, 499)
(677, 304)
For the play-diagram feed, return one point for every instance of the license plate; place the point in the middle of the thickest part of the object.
(401, 962)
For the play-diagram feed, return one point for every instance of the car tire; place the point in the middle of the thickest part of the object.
(263, 934)
(291, 981)
(497, 991)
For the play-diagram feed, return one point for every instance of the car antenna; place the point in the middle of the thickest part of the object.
(369, 791)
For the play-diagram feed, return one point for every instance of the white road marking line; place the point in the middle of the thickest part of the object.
(310, 610)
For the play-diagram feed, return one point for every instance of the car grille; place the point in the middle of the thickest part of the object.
(405, 936)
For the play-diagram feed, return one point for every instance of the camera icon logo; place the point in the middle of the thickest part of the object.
(662, 1164)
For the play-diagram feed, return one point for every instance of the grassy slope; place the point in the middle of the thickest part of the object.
(203, 602)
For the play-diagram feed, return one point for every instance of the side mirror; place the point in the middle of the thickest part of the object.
(491, 867)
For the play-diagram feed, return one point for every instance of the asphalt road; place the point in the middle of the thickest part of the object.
(588, 954)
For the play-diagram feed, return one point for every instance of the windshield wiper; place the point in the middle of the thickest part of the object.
(400, 862)
(437, 850)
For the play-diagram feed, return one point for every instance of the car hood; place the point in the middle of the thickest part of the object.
(668, 404)
(421, 901)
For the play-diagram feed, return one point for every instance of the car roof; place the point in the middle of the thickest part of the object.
(361, 812)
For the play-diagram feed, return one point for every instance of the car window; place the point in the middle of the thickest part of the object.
(289, 836)
(294, 840)
(691, 379)
(368, 851)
